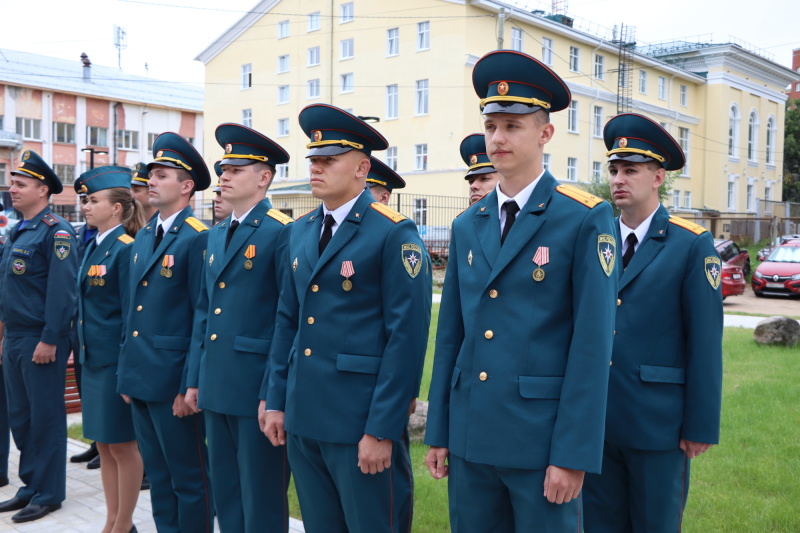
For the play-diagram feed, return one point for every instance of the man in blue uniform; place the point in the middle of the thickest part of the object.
(352, 326)
(246, 259)
(481, 175)
(39, 269)
(665, 386)
(167, 265)
(518, 392)
(140, 190)
(222, 208)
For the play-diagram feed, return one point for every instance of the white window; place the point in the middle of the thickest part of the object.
(597, 129)
(572, 117)
(684, 96)
(391, 157)
(391, 101)
(797, 87)
(313, 21)
(420, 157)
(346, 83)
(421, 211)
(313, 56)
(772, 132)
(423, 36)
(392, 41)
(768, 192)
(31, 129)
(516, 39)
(346, 13)
(733, 132)
(151, 139)
(65, 172)
(547, 51)
(731, 195)
(662, 88)
(599, 67)
(572, 168)
(546, 161)
(683, 140)
(4, 176)
(247, 118)
(95, 136)
(676, 198)
(313, 89)
(63, 132)
(574, 59)
(282, 171)
(643, 82)
(283, 94)
(283, 29)
(247, 76)
(283, 127)
(750, 197)
(128, 139)
(687, 199)
(752, 137)
(597, 171)
(346, 49)
(421, 107)
(283, 64)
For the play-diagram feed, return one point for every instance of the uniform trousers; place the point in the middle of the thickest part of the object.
(4, 429)
(403, 478)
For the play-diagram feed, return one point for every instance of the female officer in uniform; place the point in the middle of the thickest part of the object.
(102, 295)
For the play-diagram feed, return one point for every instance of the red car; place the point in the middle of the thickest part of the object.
(779, 275)
(733, 282)
(735, 267)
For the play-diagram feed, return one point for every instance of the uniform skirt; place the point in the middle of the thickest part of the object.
(106, 417)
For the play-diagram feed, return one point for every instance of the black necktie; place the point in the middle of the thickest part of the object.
(327, 232)
(231, 229)
(511, 208)
(631, 240)
(159, 237)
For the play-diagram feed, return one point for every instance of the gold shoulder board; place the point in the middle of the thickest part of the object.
(125, 238)
(279, 216)
(579, 195)
(388, 212)
(697, 229)
(196, 224)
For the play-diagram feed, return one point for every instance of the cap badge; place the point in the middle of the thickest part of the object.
(317, 135)
(228, 148)
(26, 155)
(623, 142)
(502, 88)
(160, 153)
(84, 189)
(473, 159)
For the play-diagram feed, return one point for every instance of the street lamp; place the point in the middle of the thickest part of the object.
(91, 152)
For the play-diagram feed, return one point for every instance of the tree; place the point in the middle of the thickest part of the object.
(791, 152)
(602, 188)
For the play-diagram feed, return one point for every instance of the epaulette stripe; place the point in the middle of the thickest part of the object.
(280, 216)
(125, 238)
(697, 229)
(579, 195)
(306, 213)
(196, 224)
(470, 205)
(388, 212)
(50, 220)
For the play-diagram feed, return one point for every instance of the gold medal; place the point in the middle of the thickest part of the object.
(538, 274)
(347, 284)
(248, 264)
(92, 282)
(164, 271)
(168, 272)
(101, 282)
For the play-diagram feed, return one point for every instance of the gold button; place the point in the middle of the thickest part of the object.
(314, 288)
(135, 333)
(213, 336)
(307, 351)
(489, 334)
(615, 332)
(611, 363)
(619, 302)
(221, 284)
(144, 284)
(311, 320)
(482, 376)
(493, 293)
(81, 322)
(139, 308)
(84, 347)
(217, 311)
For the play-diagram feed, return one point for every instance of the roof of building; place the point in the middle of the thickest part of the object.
(66, 76)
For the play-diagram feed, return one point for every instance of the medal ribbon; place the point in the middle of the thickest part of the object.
(542, 256)
(250, 252)
(347, 269)
(168, 261)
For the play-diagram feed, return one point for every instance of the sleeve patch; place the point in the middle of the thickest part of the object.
(281, 217)
(125, 238)
(713, 268)
(697, 229)
(196, 224)
(607, 252)
(579, 195)
(412, 258)
(388, 212)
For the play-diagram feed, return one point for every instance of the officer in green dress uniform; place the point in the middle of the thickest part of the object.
(520, 374)
(140, 190)
(665, 387)
(222, 208)
(38, 270)
(351, 332)
(245, 261)
(167, 265)
(481, 174)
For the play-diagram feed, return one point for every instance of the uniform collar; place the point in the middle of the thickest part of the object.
(340, 213)
(522, 196)
(640, 231)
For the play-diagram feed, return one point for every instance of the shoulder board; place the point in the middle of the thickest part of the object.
(279, 216)
(697, 229)
(196, 224)
(49, 219)
(387, 211)
(579, 195)
(125, 238)
(470, 205)
(306, 213)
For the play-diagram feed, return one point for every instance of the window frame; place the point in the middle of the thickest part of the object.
(392, 101)
(68, 136)
(313, 22)
(547, 51)
(346, 13)
(421, 98)
(346, 83)
(421, 157)
(247, 76)
(392, 42)
(574, 59)
(347, 45)
(423, 36)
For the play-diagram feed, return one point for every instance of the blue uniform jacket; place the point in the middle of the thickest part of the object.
(102, 305)
(158, 333)
(345, 363)
(236, 312)
(666, 377)
(39, 266)
(521, 368)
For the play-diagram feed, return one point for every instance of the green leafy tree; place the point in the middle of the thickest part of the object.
(602, 188)
(791, 152)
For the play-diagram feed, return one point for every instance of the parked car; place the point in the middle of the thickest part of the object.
(733, 255)
(764, 252)
(779, 275)
(733, 282)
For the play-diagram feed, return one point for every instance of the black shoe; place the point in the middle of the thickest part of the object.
(145, 483)
(14, 504)
(34, 512)
(3, 481)
(85, 457)
(94, 464)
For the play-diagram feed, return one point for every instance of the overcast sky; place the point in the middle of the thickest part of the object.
(168, 34)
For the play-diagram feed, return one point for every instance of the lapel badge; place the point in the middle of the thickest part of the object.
(483, 209)
(469, 258)
(540, 258)
(166, 265)
(211, 260)
(347, 271)
(294, 265)
(250, 253)
(606, 252)
(135, 258)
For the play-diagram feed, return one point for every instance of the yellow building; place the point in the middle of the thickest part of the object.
(409, 64)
